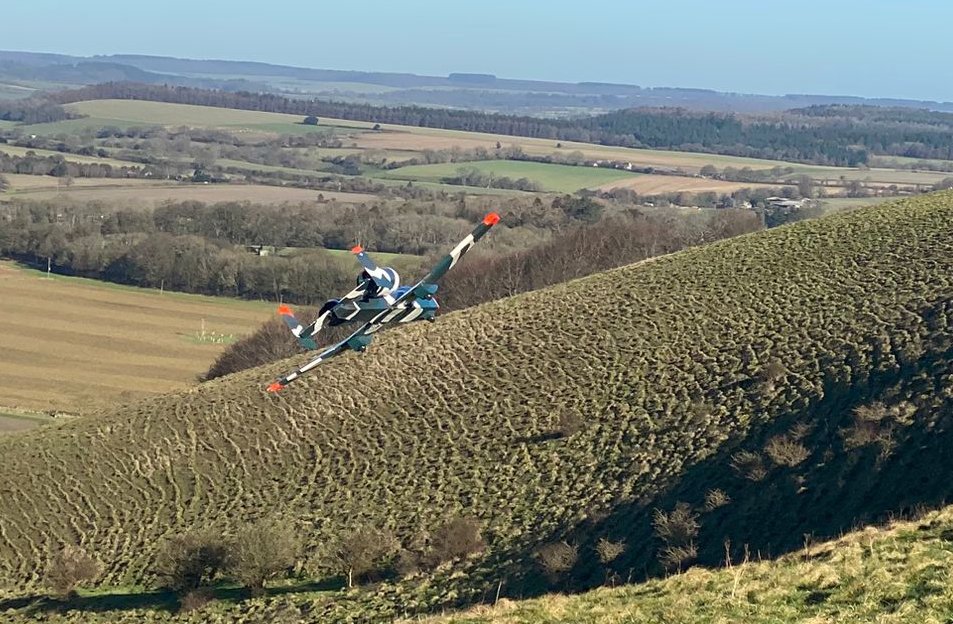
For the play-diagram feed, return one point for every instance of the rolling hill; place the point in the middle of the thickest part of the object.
(804, 373)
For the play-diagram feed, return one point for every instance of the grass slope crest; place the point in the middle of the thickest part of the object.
(785, 383)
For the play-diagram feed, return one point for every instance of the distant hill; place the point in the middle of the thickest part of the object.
(804, 373)
(457, 90)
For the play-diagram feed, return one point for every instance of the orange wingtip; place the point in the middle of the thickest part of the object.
(284, 310)
(356, 249)
(491, 219)
(275, 387)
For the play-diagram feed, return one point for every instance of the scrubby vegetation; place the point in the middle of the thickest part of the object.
(678, 366)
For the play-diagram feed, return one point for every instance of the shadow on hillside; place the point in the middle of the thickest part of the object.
(830, 492)
(157, 600)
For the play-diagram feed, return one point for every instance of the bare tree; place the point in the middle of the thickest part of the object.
(261, 551)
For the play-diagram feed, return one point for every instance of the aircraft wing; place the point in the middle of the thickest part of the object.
(426, 287)
(356, 342)
(423, 288)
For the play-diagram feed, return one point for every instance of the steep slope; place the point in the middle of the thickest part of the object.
(899, 573)
(675, 366)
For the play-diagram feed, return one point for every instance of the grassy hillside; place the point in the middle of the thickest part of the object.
(804, 372)
(895, 574)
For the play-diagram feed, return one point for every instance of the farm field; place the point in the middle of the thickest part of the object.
(397, 142)
(24, 183)
(15, 150)
(649, 184)
(550, 177)
(771, 384)
(120, 190)
(76, 345)
(140, 112)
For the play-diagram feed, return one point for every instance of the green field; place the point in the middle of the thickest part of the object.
(14, 150)
(549, 177)
(807, 388)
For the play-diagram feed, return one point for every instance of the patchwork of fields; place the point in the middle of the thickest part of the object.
(400, 143)
(76, 344)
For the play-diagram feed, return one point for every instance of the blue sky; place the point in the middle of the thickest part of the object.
(848, 47)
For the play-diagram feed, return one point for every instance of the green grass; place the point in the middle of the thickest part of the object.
(78, 126)
(894, 575)
(14, 150)
(687, 374)
(550, 177)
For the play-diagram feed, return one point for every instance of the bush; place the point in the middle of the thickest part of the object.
(260, 551)
(786, 451)
(716, 498)
(569, 423)
(608, 550)
(677, 527)
(749, 465)
(875, 423)
(557, 558)
(70, 567)
(458, 538)
(363, 552)
(675, 557)
(191, 560)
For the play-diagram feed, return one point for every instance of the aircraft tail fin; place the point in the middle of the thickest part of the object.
(302, 333)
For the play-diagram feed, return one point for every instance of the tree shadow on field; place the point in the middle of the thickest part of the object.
(156, 600)
(833, 490)
(164, 600)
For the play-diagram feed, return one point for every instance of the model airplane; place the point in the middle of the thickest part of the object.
(378, 300)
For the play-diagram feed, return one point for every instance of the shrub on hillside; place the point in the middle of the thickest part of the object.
(569, 422)
(749, 465)
(608, 550)
(71, 567)
(784, 450)
(191, 560)
(557, 558)
(677, 527)
(261, 551)
(876, 423)
(363, 552)
(716, 498)
(457, 538)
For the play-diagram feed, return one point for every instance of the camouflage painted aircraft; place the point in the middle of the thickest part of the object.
(378, 300)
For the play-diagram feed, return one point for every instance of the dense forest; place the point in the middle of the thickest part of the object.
(831, 135)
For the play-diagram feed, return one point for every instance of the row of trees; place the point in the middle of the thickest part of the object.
(189, 563)
(195, 247)
(833, 135)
